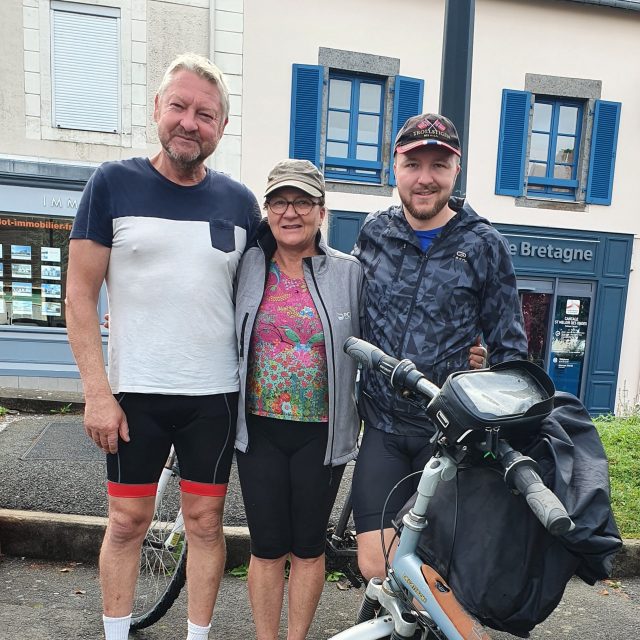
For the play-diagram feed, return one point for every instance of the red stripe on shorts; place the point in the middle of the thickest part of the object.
(203, 488)
(119, 490)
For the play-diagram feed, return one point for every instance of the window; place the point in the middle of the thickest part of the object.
(33, 265)
(354, 128)
(85, 59)
(345, 115)
(556, 147)
(555, 139)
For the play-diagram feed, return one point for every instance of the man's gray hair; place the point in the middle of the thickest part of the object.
(202, 67)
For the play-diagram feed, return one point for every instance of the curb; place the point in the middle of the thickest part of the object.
(55, 536)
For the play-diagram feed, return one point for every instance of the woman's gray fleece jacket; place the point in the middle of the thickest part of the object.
(334, 280)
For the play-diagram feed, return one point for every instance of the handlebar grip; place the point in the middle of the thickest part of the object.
(541, 500)
(369, 356)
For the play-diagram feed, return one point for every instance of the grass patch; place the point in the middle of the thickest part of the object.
(621, 440)
(241, 571)
(3, 411)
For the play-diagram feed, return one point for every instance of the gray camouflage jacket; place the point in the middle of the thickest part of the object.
(430, 307)
(335, 282)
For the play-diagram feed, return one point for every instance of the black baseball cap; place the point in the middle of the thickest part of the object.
(428, 128)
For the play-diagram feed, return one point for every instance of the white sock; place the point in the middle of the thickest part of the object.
(196, 632)
(116, 628)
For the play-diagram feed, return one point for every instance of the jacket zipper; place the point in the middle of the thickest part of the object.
(423, 262)
(332, 420)
(244, 326)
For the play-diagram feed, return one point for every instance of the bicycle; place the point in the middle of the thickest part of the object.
(163, 559)
(341, 550)
(465, 417)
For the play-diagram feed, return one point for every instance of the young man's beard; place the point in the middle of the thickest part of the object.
(422, 214)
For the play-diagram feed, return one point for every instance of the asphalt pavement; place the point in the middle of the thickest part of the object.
(52, 499)
(43, 600)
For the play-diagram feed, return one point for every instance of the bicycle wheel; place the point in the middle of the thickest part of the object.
(163, 560)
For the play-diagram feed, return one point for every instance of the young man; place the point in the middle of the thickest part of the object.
(166, 234)
(437, 276)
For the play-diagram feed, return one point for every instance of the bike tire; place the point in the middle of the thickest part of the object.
(163, 570)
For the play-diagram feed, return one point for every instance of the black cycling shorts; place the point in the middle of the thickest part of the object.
(202, 430)
(383, 460)
(288, 492)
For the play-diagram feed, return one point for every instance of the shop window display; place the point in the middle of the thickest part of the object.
(34, 252)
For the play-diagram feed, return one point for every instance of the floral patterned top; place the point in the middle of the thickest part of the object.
(287, 374)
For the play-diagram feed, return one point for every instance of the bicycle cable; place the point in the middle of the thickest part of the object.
(387, 550)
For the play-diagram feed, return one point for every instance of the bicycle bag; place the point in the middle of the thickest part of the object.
(501, 563)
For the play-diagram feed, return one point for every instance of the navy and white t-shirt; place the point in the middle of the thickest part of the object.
(174, 254)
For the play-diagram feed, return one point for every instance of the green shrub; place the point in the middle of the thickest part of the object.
(621, 440)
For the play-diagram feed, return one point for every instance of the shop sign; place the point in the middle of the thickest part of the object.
(568, 346)
(552, 253)
(35, 200)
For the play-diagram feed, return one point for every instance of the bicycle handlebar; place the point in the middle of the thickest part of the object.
(369, 356)
(520, 471)
(521, 475)
(402, 373)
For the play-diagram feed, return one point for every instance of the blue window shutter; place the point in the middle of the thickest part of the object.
(407, 102)
(604, 140)
(306, 105)
(512, 144)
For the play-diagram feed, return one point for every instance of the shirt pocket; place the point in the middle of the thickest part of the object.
(223, 236)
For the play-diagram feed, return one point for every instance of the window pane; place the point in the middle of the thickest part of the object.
(565, 149)
(538, 169)
(563, 171)
(339, 94)
(368, 127)
(568, 120)
(370, 97)
(337, 149)
(562, 190)
(539, 146)
(338, 126)
(541, 117)
(367, 153)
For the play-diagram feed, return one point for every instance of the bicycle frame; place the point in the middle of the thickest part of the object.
(407, 579)
(169, 470)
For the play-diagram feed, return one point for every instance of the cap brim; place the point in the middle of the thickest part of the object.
(421, 143)
(296, 184)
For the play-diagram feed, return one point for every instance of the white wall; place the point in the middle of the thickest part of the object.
(512, 38)
(403, 29)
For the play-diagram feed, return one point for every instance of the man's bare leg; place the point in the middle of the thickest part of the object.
(129, 520)
(207, 554)
(370, 556)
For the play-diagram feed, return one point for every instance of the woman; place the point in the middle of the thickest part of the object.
(297, 302)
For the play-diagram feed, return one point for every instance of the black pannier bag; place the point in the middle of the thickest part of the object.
(501, 563)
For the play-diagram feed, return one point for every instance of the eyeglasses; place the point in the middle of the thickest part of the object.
(302, 206)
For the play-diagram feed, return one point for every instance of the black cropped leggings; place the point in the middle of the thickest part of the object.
(288, 492)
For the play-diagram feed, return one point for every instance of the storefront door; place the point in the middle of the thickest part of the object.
(556, 317)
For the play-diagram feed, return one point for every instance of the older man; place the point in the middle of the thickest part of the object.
(437, 276)
(166, 233)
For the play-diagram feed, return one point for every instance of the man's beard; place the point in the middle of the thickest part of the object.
(428, 214)
(185, 160)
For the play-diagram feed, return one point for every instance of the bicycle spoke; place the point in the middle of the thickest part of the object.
(162, 565)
